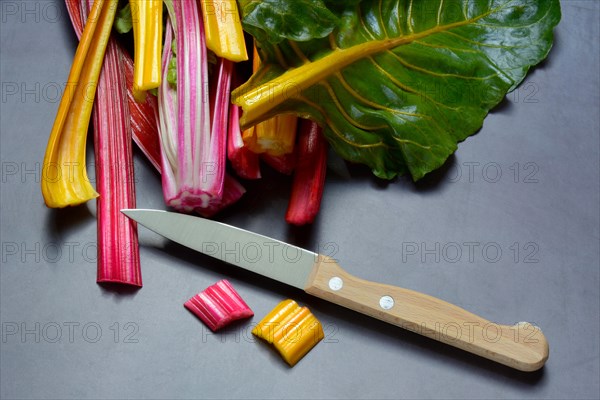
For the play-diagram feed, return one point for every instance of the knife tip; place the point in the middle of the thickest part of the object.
(135, 213)
(129, 212)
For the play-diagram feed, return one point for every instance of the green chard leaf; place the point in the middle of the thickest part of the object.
(275, 20)
(397, 84)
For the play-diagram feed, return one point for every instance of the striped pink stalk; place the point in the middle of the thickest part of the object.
(244, 162)
(167, 120)
(118, 250)
(219, 103)
(309, 175)
(186, 109)
(218, 305)
(193, 119)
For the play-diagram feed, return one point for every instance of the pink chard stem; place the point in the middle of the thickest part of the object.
(193, 119)
(309, 175)
(218, 305)
(244, 162)
(119, 257)
(118, 250)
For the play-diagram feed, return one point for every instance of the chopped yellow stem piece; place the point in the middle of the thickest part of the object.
(223, 29)
(275, 136)
(292, 329)
(64, 176)
(147, 40)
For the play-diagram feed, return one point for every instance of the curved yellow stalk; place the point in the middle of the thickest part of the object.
(258, 102)
(223, 29)
(64, 177)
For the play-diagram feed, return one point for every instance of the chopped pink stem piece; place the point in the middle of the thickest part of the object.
(218, 305)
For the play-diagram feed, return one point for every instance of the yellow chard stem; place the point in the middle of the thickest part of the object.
(223, 29)
(64, 177)
(147, 37)
(275, 136)
(258, 102)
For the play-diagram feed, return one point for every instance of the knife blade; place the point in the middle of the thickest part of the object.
(521, 346)
(260, 254)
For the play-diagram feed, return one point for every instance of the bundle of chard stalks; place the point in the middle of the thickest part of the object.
(391, 84)
(173, 100)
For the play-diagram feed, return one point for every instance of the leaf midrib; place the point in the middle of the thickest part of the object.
(259, 101)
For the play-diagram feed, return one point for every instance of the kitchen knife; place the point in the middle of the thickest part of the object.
(521, 346)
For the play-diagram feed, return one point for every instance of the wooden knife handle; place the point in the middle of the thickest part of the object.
(521, 346)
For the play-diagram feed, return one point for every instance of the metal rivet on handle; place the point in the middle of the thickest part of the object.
(386, 302)
(336, 283)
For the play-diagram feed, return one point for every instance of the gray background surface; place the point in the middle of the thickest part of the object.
(76, 339)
